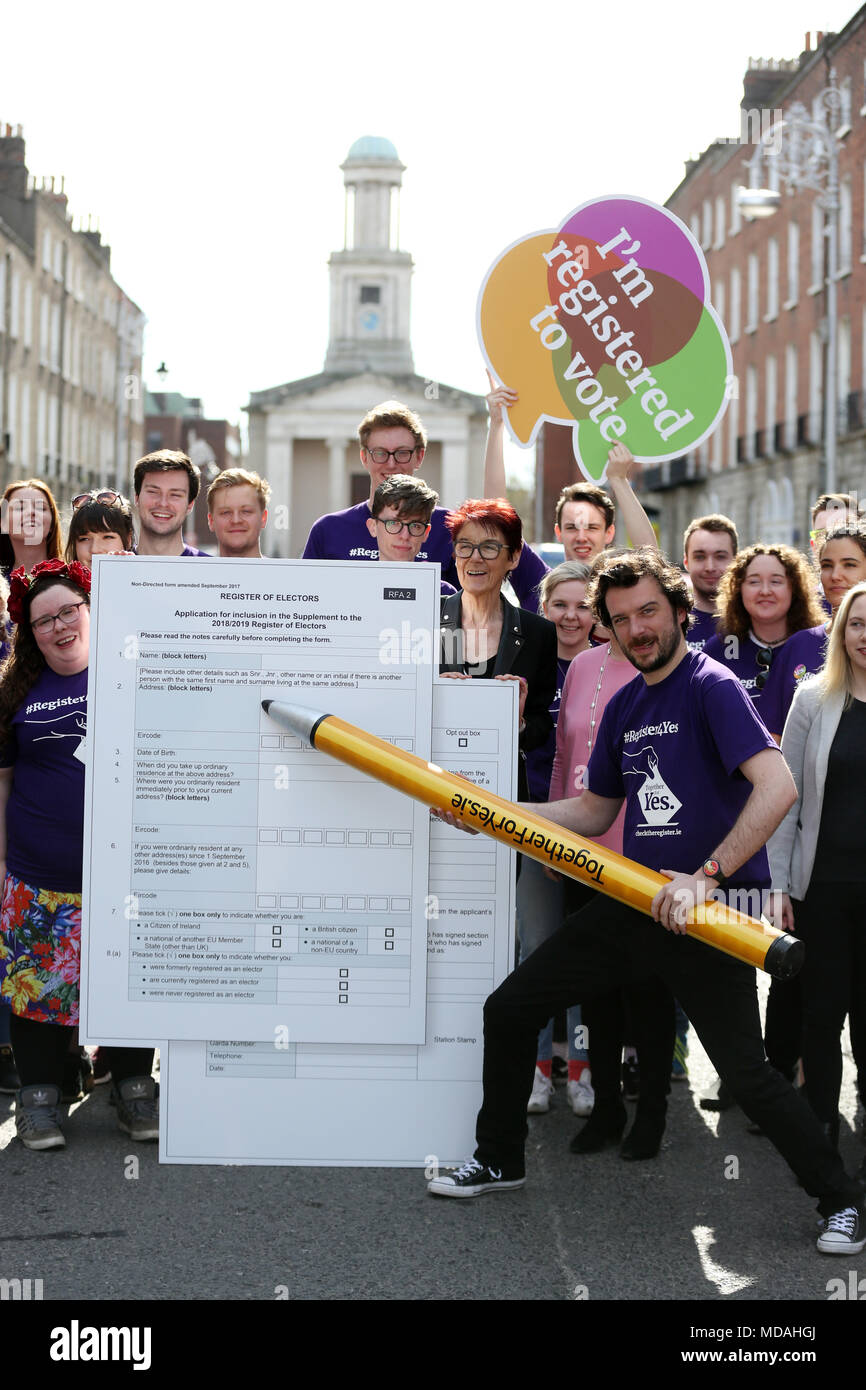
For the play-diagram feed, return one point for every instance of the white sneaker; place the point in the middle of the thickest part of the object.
(542, 1090)
(581, 1096)
(843, 1233)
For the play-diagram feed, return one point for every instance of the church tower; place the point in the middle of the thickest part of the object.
(371, 277)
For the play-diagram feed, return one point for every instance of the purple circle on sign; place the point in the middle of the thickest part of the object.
(663, 244)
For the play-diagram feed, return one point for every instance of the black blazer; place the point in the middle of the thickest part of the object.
(527, 648)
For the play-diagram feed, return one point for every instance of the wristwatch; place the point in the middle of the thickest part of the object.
(713, 869)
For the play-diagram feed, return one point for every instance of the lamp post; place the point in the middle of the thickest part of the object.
(805, 154)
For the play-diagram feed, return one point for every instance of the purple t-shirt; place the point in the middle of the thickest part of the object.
(701, 629)
(45, 811)
(344, 536)
(539, 761)
(800, 656)
(673, 750)
(191, 550)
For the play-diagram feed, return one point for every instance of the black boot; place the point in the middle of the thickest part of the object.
(644, 1139)
(604, 1126)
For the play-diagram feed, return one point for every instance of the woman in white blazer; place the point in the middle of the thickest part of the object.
(818, 853)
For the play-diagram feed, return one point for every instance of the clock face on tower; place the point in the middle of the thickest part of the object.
(370, 320)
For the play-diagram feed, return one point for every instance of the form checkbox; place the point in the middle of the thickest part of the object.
(462, 743)
(389, 945)
(276, 941)
(344, 973)
(389, 931)
(343, 998)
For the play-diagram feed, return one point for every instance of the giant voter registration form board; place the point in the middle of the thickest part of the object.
(378, 1104)
(238, 884)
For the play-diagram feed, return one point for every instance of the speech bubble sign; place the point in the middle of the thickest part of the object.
(605, 324)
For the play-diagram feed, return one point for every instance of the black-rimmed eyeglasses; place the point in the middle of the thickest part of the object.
(394, 526)
(403, 455)
(488, 550)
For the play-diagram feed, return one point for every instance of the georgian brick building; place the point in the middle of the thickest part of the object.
(764, 465)
(71, 408)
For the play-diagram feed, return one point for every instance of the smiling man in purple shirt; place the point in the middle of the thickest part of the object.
(704, 787)
(166, 484)
(393, 440)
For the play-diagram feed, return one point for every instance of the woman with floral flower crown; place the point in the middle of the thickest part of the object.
(43, 722)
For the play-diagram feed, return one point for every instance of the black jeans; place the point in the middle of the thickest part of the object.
(40, 1051)
(606, 945)
(644, 1010)
(832, 922)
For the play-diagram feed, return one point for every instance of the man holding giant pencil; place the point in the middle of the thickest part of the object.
(705, 786)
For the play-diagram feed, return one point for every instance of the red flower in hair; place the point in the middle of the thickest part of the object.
(20, 581)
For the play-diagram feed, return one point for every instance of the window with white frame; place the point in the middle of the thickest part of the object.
(752, 293)
(14, 303)
(817, 247)
(734, 325)
(44, 330)
(41, 428)
(770, 386)
(790, 396)
(733, 421)
(27, 315)
(772, 278)
(2, 294)
(793, 263)
(24, 448)
(845, 228)
(12, 416)
(846, 104)
(735, 208)
(695, 226)
(53, 422)
(46, 249)
(843, 368)
(816, 371)
(55, 337)
(58, 261)
(719, 240)
(707, 233)
(751, 423)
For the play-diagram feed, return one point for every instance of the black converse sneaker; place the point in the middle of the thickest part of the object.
(844, 1233)
(471, 1179)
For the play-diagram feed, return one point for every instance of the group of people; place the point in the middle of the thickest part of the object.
(653, 699)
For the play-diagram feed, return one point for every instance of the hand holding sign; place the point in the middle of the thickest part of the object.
(607, 323)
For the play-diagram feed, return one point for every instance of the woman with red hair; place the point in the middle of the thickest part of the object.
(482, 635)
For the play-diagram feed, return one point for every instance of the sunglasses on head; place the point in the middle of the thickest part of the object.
(107, 495)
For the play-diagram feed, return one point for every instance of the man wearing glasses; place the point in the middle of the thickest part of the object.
(392, 441)
(399, 519)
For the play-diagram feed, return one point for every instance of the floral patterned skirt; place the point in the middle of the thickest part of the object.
(40, 952)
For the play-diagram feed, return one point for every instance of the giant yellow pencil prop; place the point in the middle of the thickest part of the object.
(753, 942)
